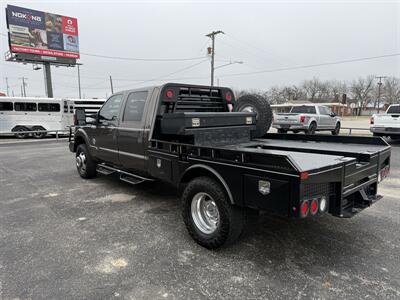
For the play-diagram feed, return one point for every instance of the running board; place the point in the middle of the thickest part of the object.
(130, 179)
(124, 176)
(105, 171)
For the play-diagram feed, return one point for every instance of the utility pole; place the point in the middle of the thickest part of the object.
(23, 87)
(111, 83)
(379, 90)
(79, 82)
(8, 87)
(212, 51)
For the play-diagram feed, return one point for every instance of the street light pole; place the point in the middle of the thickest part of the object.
(212, 36)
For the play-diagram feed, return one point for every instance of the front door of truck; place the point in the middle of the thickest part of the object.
(132, 135)
(323, 117)
(105, 139)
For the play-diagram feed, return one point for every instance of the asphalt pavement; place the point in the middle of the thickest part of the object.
(62, 237)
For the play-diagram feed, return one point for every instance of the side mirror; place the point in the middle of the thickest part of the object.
(80, 116)
(333, 114)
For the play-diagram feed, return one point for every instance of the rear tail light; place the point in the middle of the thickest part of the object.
(304, 209)
(302, 119)
(372, 121)
(314, 207)
(228, 96)
(75, 120)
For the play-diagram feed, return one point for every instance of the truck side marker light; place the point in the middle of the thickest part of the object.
(314, 207)
(322, 204)
(264, 187)
(304, 209)
(169, 94)
(304, 175)
(228, 96)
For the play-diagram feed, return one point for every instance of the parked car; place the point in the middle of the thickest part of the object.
(223, 162)
(387, 124)
(307, 118)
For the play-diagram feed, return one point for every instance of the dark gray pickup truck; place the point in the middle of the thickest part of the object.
(215, 150)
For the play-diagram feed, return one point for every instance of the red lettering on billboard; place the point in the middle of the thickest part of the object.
(45, 52)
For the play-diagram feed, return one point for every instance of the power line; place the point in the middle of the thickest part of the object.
(312, 65)
(143, 59)
(163, 77)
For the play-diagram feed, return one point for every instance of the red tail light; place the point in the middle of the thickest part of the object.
(75, 120)
(314, 207)
(228, 96)
(372, 121)
(302, 119)
(304, 209)
(169, 94)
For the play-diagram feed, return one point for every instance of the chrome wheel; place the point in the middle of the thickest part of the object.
(81, 162)
(205, 213)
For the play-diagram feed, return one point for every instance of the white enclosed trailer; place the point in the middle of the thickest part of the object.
(19, 114)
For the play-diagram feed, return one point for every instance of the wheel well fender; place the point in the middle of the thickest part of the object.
(80, 138)
(203, 170)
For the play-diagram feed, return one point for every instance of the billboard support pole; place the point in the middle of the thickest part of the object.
(79, 82)
(47, 77)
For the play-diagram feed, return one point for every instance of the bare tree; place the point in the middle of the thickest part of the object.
(362, 90)
(391, 90)
(312, 88)
(337, 89)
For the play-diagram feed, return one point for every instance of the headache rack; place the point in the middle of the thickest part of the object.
(195, 99)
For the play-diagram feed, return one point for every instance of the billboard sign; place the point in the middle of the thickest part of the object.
(42, 33)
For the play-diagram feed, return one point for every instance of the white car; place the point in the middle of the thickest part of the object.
(387, 124)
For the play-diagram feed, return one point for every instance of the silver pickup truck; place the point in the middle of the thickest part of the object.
(307, 118)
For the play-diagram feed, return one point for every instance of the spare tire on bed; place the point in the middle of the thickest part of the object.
(259, 105)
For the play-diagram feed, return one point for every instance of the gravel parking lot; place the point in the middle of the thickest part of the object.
(62, 237)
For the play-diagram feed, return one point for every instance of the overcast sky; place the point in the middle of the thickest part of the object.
(264, 35)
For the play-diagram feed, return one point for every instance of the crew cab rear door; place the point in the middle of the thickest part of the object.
(131, 132)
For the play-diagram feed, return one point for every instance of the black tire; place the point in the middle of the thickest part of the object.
(86, 166)
(376, 134)
(280, 130)
(20, 135)
(261, 107)
(231, 218)
(38, 135)
(295, 131)
(312, 128)
(337, 129)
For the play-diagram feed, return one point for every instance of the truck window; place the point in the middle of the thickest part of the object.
(303, 110)
(394, 110)
(49, 107)
(134, 106)
(323, 110)
(6, 106)
(110, 108)
(25, 106)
